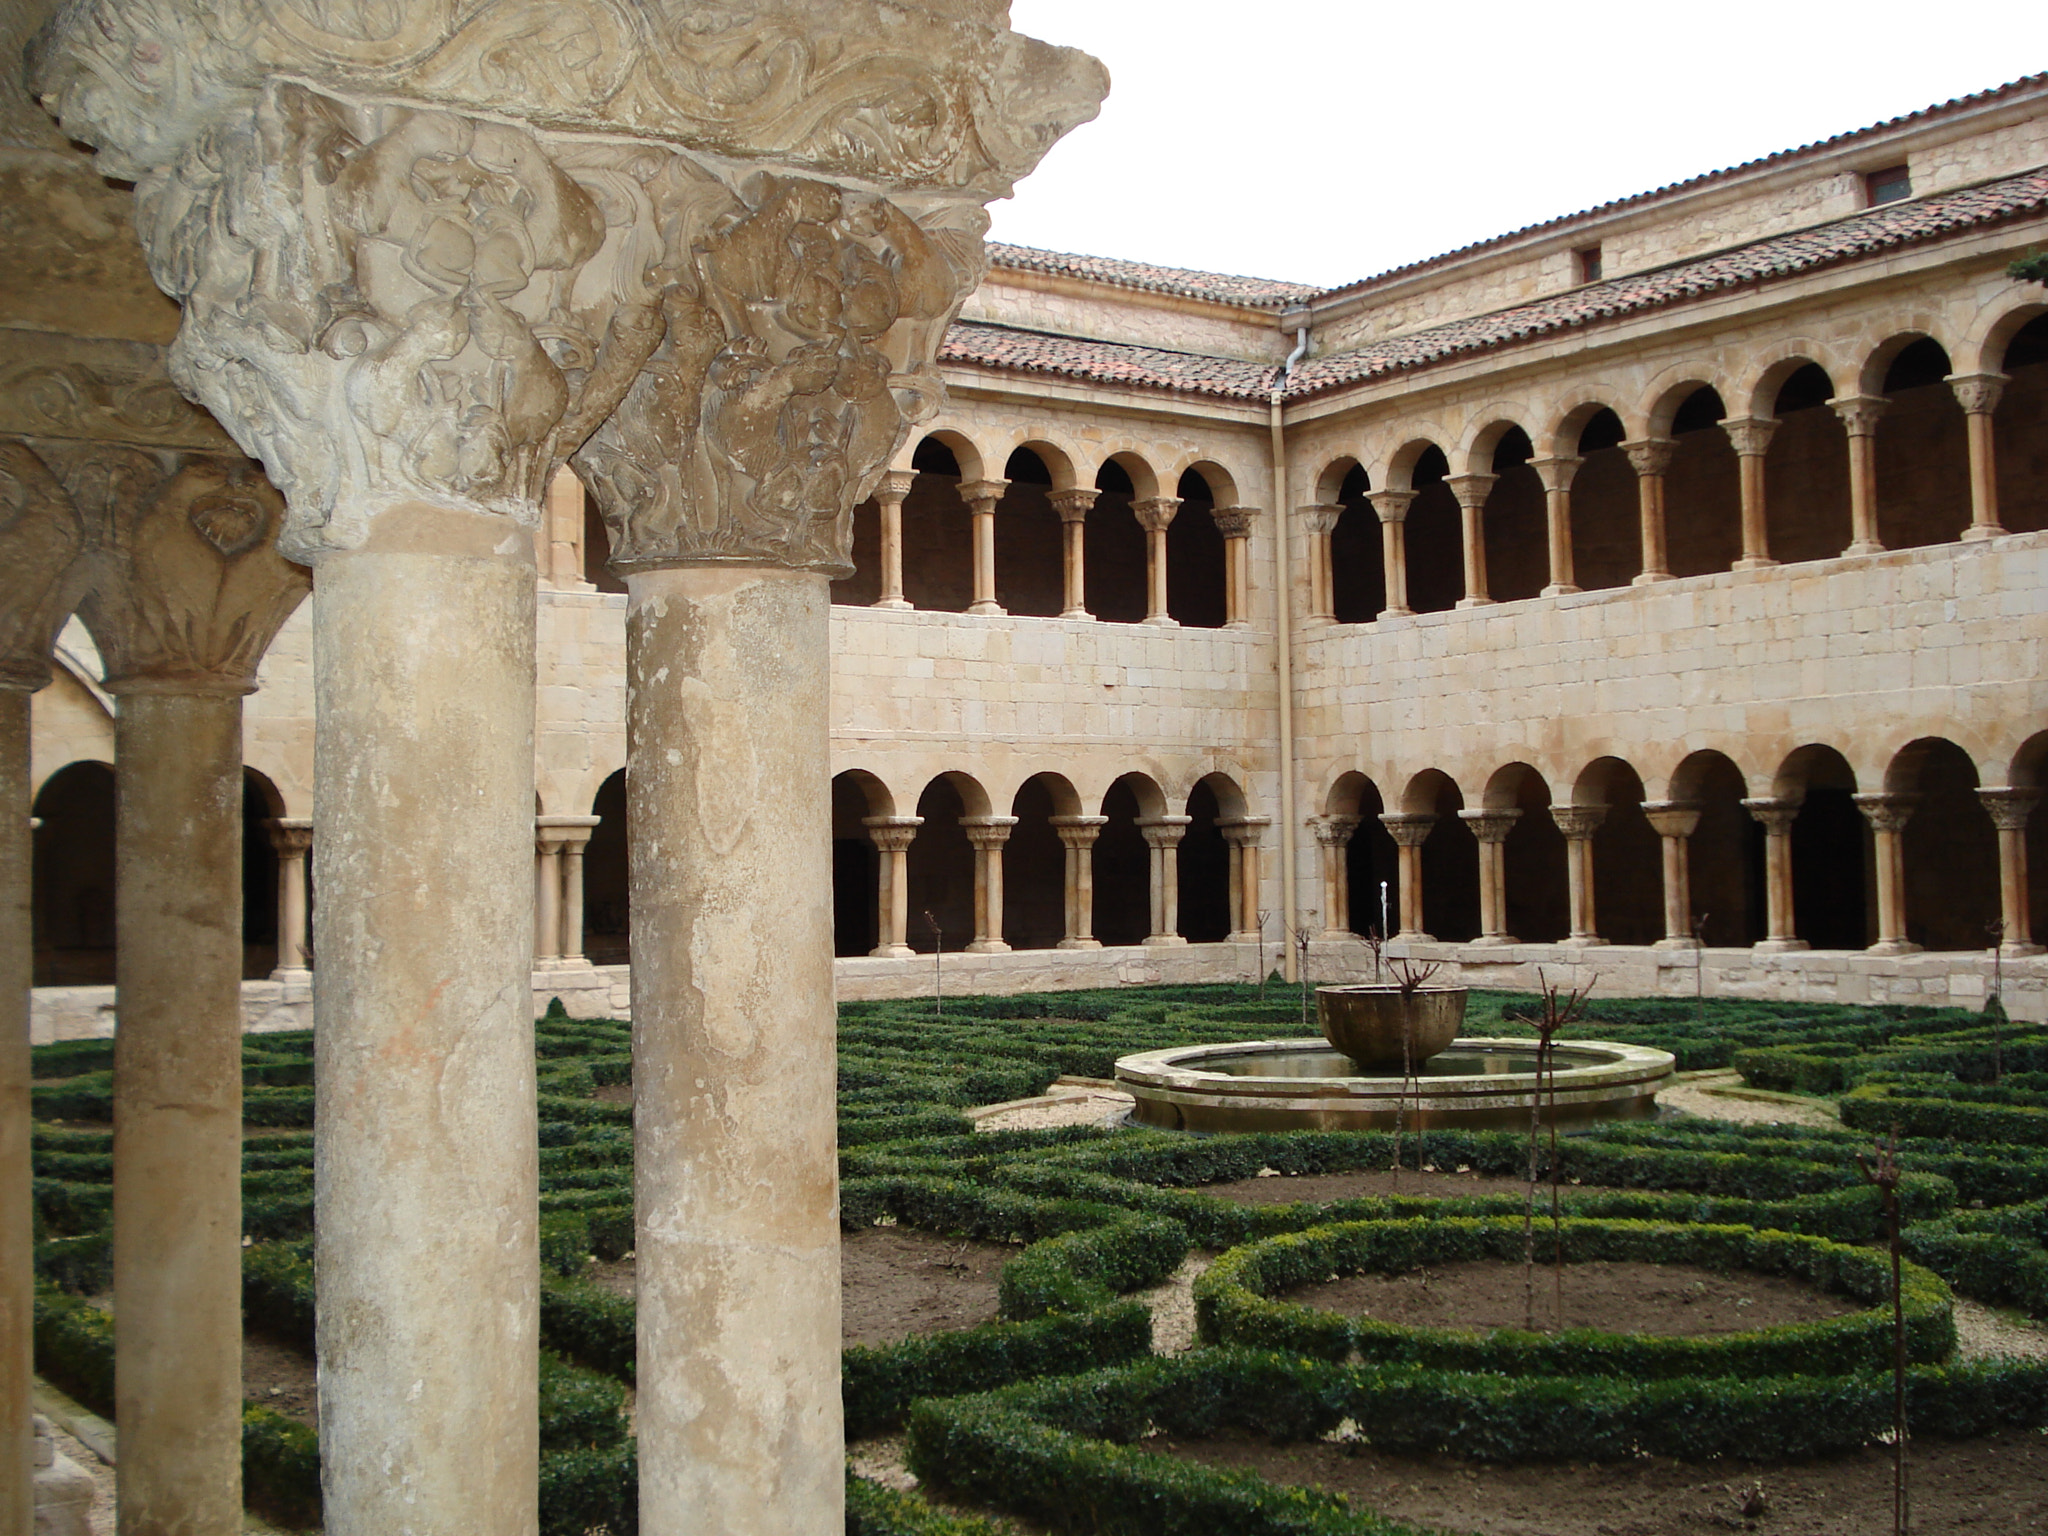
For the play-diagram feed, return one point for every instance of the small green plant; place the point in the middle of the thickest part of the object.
(2030, 268)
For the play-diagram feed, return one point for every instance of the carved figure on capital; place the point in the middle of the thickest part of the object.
(41, 576)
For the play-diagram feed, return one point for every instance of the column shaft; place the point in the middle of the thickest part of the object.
(426, 1178)
(1859, 414)
(1248, 891)
(17, 1201)
(1651, 458)
(178, 1112)
(891, 510)
(1578, 859)
(1677, 889)
(1751, 438)
(547, 901)
(1409, 830)
(1888, 815)
(1394, 555)
(2010, 810)
(1077, 836)
(1074, 550)
(985, 560)
(734, 1129)
(291, 905)
(1978, 394)
(1777, 817)
(1472, 491)
(1556, 475)
(1162, 836)
(988, 834)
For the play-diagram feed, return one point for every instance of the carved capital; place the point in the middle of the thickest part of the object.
(1774, 815)
(1490, 826)
(1750, 435)
(1163, 831)
(1672, 818)
(1409, 829)
(1978, 393)
(987, 831)
(1334, 831)
(1078, 832)
(564, 834)
(110, 391)
(894, 486)
(1650, 455)
(1556, 474)
(1155, 513)
(1859, 413)
(1244, 831)
(1392, 506)
(291, 836)
(982, 495)
(1578, 822)
(1321, 518)
(1234, 522)
(2010, 809)
(1471, 490)
(1073, 506)
(892, 834)
(42, 577)
(1886, 813)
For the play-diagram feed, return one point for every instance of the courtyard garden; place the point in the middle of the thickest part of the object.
(1077, 1327)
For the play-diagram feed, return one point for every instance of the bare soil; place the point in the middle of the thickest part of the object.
(280, 1376)
(1673, 1300)
(1281, 1189)
(1998, 1484)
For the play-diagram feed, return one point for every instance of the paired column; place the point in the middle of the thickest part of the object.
(1675, 821)
(982, 498)
(1491, 828)
(1155, 516)
(1557, 475)
(1978, 395)
(890, 492)
(1333, 836)
(1776, 817)
(892, 836)
(1319, 522)
(292, 838)
(1235, 524)
(1859, 414)
(1162, 836)
(1578, 823)
(1651, 457)
(1409, 830)
(2010, 810)
(1392, 507)
(988, 834)
(1073, 507)
(1751, 437)
(1472, 491)
(1077, 836)
(558, 542)
(1243, 834)
(558, 891)
(1888, 815)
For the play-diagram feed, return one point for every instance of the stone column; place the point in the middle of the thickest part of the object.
(1333, 836)
(1675, 821)
(1859, 415)
(1155, 516)
(1751, 436)
(1392, 507)
(575, 834)
(292, 838)
(1651, 457)
(1978, 394)
(1557, 475)
(1319, 522)
(1077, 836)
(1073, 507)
(1162, 836)
(1472, 491)
(1491, 828)
(1235, 524)
(1776, 817)
(1409, 830)
(547, 898)
(1243, 833)
(2010, 810)
(40, 575)
(559, 548)
(982, 498)
(1578, 823)
(1888, 815)
(892, 836)
(988, 834)
(890, 492)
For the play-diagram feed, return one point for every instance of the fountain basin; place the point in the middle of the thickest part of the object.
(1367, 1023)
(1477, 1083)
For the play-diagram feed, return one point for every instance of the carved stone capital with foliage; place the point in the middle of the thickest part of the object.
(41, 574)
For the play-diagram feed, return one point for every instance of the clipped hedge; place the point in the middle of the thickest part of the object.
(1879, 1108)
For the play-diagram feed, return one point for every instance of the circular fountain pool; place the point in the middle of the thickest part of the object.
(1294, 1085)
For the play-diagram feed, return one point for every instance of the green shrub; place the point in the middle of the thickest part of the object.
(583, 1491)
(280, 1468)
(75, 1348)
(872, 1510)
(580, 1410)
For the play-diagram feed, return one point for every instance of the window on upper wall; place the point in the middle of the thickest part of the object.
(1587, 261)
(1888, 186)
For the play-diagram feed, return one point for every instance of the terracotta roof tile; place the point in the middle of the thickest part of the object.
(1103, 362)
(1249, 292)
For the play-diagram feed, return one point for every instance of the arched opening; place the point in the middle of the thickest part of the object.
(1832, 897)
(1726, 854)
(1195, 580)
(1949, 848)
(1806, 471)
(1114, 549)
(941, 867)
(260, 802)
(1035, 864)
(2030, 771)
(1628, 856)
(938, 532)
(1204, 868)
(864, 587)
(856, 865)
(1450, 859)
(597, 550)
(1030, 569)
(1358, 567)
(72, 877)
(1538, 899)
(1516, 522)
(1923, 452)
(1123, 862)
(1702, 489)
(2020, 426)
(1372, 863)
(1436, 537)
(607, 884)
(1607, 539)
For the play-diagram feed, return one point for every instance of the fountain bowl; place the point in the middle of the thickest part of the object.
(1366, 1022)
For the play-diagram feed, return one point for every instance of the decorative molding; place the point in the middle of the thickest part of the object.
(1859, 413)
(1321, 517)
(1073, 505)
(1556, 473)
(1650, 455)
(1750, 435)
(1392, 506)
(1578, 822)
(42, 577)
(55, 386)
(1978, 393)
(1471, 490)
(1155, 513)
(1235, 522)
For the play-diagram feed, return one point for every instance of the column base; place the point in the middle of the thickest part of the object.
(1242, 936)
(1864, 547)
(1686, 941)
(1778, 946)
(1078, 944)
(1475, 602)
(1893, 947)
(1239, 624)
(1163, 940)
(1334, 935)
(989, 610)
(569, 963)
(1493, 941)
(289, 973)
(1976, 533)
(1076, 613)
(892, 952)
(1651, 578)
(2019, 951)
(891, 602)
(1582, 941)
(1396, 613)
(1759, 563)
(1415, 935)
(987, 947)
(1318, 621)
(1161, 621)
(1559, 589)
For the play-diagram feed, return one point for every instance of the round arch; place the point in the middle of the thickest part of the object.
(1833, 898)
(1725, 854)
(1948, 846)
(72, 876)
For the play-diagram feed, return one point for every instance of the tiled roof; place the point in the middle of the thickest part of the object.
(1103, 362)
(1250, 292)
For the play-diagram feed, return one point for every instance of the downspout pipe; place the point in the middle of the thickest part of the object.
(1283, 623)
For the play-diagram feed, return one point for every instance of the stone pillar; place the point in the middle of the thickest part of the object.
(1751, 437)
(982, 498)
(1162, 836)
(1243, 833)
(1077, 836)
(1333, 836)
(892, 836)
(1578, 823)
(547, 898)
(1073, 507)
(1859, 415)
(575, 834)
(1888, 815)
(1319, 522)
(988, 834)
(1776, 817)
(1492, 827)
(1472, 491)
(1557, 475)
(1651, 457)
(1235, 524)
(890, 491)
(1155, 516)
(559, 548)
(292, 838)
(1675, 821)
(1978, 394)
(1392, 507)
(1409, 830)
(2010, 810)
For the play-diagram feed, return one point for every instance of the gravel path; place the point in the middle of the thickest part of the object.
(1707, 1097)
(1062, 1106)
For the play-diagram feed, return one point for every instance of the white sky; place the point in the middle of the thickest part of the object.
(1326, 140)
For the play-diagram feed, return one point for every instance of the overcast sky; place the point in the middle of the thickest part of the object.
(1326, 140)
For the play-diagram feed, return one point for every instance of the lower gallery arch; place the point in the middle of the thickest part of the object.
(72, 877)
(1204, 863)
(1949, 847)
(2029, 771)
(856, 866)
(607, 887)
(1035, 864)
(1450, 859)
(1725, 854)
(941, 869)
(1832, 895)
(1371, 861)
(260, 802)
(1628, 859)
(1538, 903)
(1123, 862)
